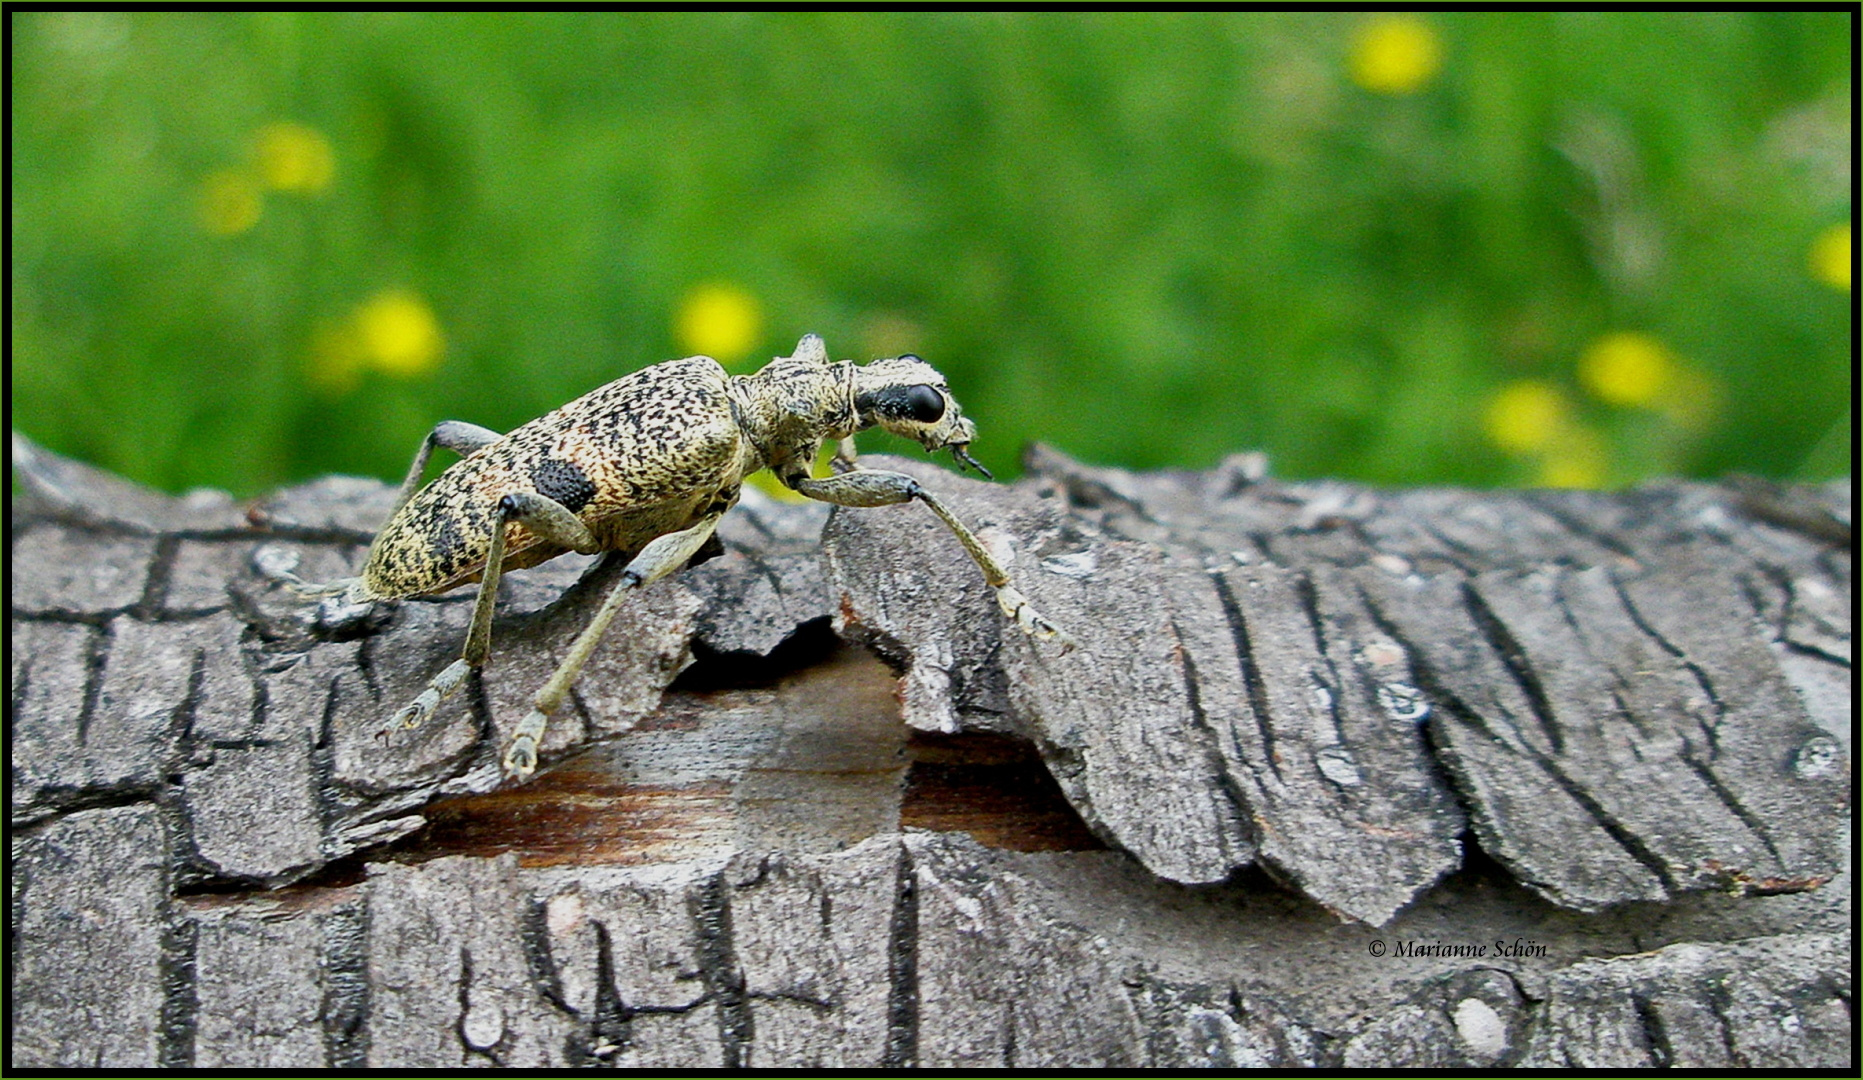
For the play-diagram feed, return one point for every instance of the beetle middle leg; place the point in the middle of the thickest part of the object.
(658, 559)
(874, 487)
(552, 522)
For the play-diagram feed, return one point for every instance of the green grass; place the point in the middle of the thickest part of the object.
(1150, 240)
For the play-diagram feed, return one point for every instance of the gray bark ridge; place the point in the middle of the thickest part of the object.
(1624, 697)
(1621, 696)
(1636, 704)
(918, 950)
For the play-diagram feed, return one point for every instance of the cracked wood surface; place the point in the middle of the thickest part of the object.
(1302, 718)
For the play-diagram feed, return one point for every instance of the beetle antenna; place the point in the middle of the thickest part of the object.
(959, 451)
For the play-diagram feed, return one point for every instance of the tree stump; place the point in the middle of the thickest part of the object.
(1336, 776)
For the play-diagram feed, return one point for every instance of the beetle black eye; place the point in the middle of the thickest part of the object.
(924, 404)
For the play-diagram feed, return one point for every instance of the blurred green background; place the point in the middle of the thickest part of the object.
(1545, 248)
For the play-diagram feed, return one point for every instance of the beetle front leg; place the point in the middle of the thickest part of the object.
(873, 487)
(658, 559)
(542, 515)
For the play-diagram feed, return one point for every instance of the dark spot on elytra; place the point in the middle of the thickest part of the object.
(561, 480)
(446, 540)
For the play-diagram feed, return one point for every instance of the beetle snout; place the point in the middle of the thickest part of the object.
(955, 430)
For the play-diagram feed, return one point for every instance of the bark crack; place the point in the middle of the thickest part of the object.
(902, 954)
(1717, 1007)
(1577, 525)
(180, 995)
(534, 936)
(1455, 552)
(464, 1019)
(1239, 816)
(718, 964)
(1655, 1032)
(1710, 730)
(97, 655)
(155, 583)
(1514, 659)
(1251, 673)
(1330, 685)
(1754, 823)
(1454, 709)
(611, 1028)
(365, 665)
(345, 969)
(1625, 837)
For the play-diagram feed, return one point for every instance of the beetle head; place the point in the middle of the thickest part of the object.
(908, 397)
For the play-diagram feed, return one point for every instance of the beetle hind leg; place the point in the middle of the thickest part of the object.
(555, 524)
(544, 516)
(456, 435)
(658, 559)
(346, 604)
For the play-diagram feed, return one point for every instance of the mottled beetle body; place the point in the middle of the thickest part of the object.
(643, 456)
(644, 467)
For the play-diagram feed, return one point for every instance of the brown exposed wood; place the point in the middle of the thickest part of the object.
(993, 788)
(1336, 777)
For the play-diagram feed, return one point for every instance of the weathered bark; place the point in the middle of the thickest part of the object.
(1335, 776)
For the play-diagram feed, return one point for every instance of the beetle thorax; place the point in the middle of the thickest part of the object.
(792, 406)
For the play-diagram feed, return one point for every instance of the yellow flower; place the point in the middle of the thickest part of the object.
(1396, 54)
(719, 320)
(1830, 257)
(393, 331)
(399, 333)
(230, 202)
(1526, 416)
(1627, 368)
(295, 158)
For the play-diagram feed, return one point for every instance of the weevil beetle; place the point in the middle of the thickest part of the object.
(645, 466)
